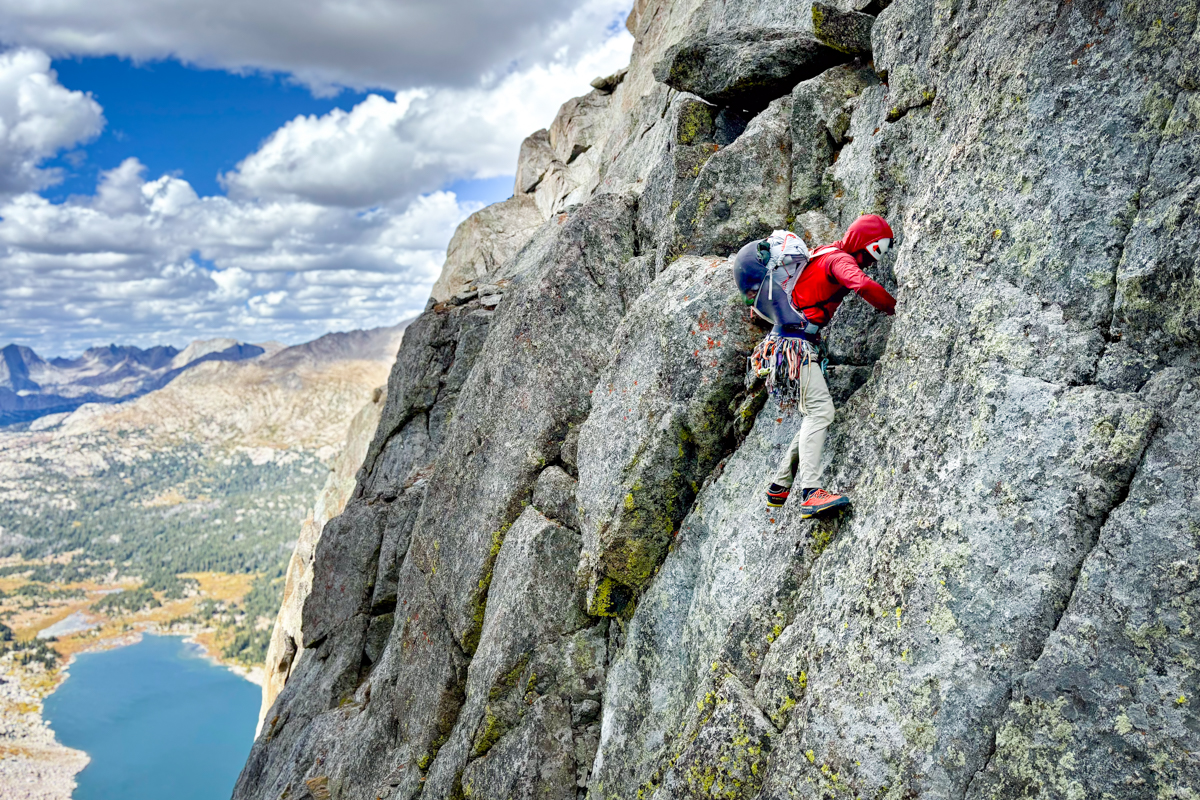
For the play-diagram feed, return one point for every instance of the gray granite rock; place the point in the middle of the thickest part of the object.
(438, 352)
(692, 143)
(574, 129)
(366, 725)
(746, 67)
(368, 624)
(534, 159)
(1111, 701)
(608, 83)
(537, 762)
(490, 237)
(1006, 608)
(731, 557)
(846, 31)
(821, 113)
(879, 685)
(344, 572)
(533, 599)
(1156, 304)
(398, 521)
(535, 644)
(550, 338)
(662, 417)
(554, 496)
(728, 748)
(741, 193)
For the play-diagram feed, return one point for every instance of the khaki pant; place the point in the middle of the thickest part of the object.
(801, 464)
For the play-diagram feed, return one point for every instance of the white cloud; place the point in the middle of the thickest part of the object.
(394, 44)
(38, 117)
(389, 150)
(148, 262)
(335, 222)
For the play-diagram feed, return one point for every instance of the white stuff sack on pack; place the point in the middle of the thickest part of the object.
(787, 250)
(790, 252)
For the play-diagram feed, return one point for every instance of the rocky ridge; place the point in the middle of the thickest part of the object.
(339, 485)
(556, 576)
(33, 764)
(32, 387)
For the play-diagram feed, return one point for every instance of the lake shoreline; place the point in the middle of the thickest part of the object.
(34, 764)
(118, 704)
(255, 675)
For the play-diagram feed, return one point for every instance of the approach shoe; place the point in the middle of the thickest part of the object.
(776, 495)
(819, 501)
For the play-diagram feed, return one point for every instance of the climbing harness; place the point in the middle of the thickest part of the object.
(781, 361)
(794, 341)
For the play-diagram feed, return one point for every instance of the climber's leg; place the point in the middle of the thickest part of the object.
(814, 499)
(785, 475)
(781, 481)
(803, 457)
(810, 440)
(809, 444)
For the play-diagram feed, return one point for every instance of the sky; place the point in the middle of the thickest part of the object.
(265, 171)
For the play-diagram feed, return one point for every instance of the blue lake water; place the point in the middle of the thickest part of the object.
(158, 720)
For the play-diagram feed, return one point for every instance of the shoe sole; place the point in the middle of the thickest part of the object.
(816, 511)
(771, 503)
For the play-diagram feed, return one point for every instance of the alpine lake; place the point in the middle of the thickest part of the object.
(158, 719)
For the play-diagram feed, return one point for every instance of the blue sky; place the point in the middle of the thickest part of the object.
(197, 123)
(268, 171)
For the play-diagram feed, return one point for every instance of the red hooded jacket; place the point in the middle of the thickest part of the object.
(833, 273)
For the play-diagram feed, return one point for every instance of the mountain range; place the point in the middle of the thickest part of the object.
(32, 387)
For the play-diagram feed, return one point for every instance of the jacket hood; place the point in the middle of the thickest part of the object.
(863, 231)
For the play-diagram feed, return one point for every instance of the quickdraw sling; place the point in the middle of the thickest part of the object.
(781, 360)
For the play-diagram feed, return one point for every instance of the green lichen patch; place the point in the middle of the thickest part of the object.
(489, 732)
(695, 123)
(479, 600)
(722, 749)
(1033, 753)
(609, 598)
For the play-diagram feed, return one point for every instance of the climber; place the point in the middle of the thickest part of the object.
(801, 292)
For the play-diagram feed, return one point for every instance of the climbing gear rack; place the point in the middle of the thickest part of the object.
(781, 360)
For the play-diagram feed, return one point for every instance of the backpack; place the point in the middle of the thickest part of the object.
(787, 251)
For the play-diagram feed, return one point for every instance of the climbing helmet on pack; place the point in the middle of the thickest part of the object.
(757, 260)
(750, 268)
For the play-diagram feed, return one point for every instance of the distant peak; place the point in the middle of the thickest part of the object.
(200, 348)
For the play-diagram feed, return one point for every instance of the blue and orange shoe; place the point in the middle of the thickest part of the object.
(818, 501)
(776, 495)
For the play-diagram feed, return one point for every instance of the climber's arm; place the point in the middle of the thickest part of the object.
(847, 273)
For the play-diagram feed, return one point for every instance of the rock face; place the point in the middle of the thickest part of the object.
(558, 576)
(484, 241)
(844, 30)
(666, 412)
(284, 649)
(746, 67)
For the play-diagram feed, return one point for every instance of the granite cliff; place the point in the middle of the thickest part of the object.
(555, 575)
